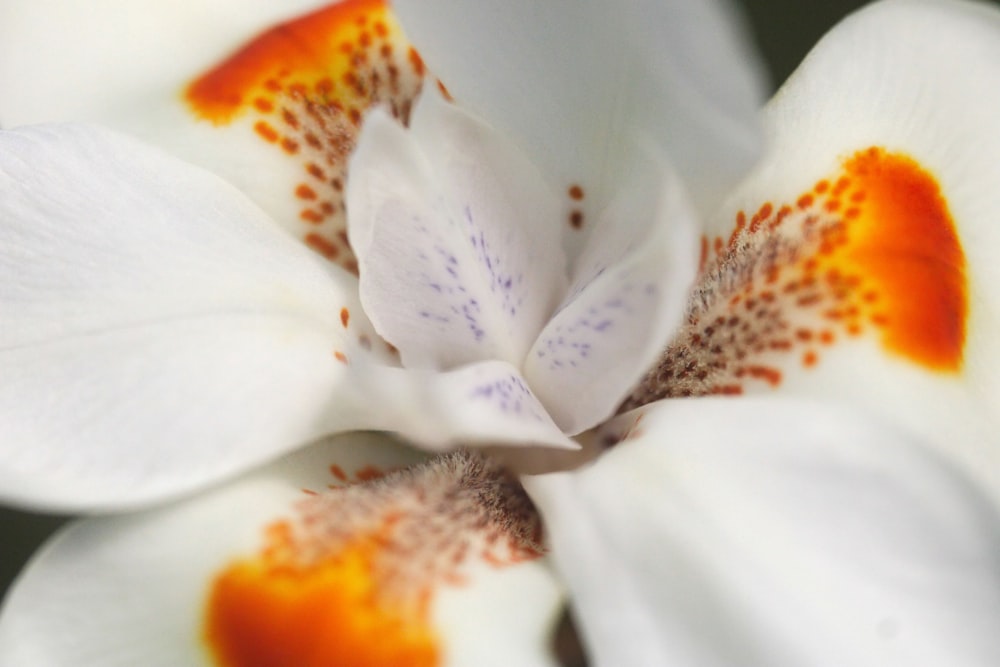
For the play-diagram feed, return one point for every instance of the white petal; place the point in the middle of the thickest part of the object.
(158, 331)
(66, 61)
(571, 81)
(481, 404)
(456, 236)
(277, 117)
(878, 283)
(765, 532)
(148, 588)
(629, 293)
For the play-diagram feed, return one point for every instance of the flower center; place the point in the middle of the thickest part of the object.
(871, 251)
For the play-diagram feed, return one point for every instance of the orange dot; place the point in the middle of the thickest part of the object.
(303, 191)
(309, 215)
(266, 132)
(322, 245)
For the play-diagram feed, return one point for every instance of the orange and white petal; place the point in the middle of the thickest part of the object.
(270, 98)
(159, 332)
(772, 532)
(575, 83)
(456, 236)
(858, 261)
(280, 116)
(64, 62)
(323, 558)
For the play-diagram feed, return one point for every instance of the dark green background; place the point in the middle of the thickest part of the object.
(785, 31)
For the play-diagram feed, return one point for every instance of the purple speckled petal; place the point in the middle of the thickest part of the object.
(629, 293)
(457, 239)
(487, 403)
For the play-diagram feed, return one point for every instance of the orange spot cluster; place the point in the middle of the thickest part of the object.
(576, 195)
(870, 251)
(304, 87)
(273, 611)
(351, 580)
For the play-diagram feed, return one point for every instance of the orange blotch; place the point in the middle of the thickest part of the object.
(273, 611)
(307, 46)
(345, 316)
(905, 243)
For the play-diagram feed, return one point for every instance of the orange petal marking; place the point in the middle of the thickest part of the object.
(273, 612)
(904, 241)
(308, 48)
(872, 250)
(303, 87)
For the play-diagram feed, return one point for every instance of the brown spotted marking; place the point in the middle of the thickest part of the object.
(871, 251)
(351, 579)
(305, 86)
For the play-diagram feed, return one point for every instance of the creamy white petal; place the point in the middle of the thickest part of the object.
(457, 239)
(67, 61)
(159, 332)
(774, 532)
(481, 404)
(569, 81)
(628, 295)
(156, 588)
(268, 97)
(858, 261)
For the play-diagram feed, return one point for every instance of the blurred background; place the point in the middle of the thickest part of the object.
(785, 30)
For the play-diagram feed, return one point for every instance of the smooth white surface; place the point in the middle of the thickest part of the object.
(769, 532)
(159, 332)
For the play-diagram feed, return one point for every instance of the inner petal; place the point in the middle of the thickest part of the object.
(870, 251)
(457, 238)
(352, 579)
(303, 87)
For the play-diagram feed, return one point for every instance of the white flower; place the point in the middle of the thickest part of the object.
(160, 333)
